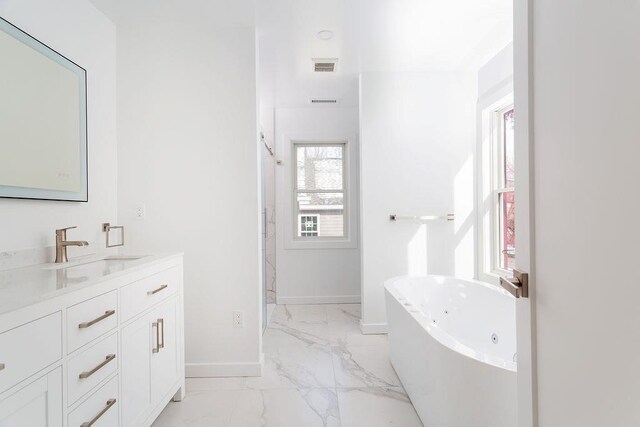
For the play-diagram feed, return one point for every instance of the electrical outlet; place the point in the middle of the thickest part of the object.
(238, 319)
(141, 211)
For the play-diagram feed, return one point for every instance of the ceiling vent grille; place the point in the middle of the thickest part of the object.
(323, 101)
(324, 65)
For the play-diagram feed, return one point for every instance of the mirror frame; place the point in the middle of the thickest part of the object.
(13, 192)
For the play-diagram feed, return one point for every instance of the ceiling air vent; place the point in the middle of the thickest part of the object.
(324, 65)
(323, 101)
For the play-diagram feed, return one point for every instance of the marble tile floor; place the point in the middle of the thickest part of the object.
(319, 371)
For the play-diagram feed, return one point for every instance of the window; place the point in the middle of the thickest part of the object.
(320, 195)
(496, 203)
(503, 174)
(308, 225)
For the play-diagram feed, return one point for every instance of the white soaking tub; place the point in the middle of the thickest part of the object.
(453, 345)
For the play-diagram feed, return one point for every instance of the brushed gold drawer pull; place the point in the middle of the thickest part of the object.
(155, 291)
(2, 366)
(110, 403)
(106, 314)
(161, 325)
(156, 325)
(87, 374)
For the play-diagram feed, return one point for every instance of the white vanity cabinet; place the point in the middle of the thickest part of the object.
(150, 362)
(38, 403)
(109, 353)
(29, 348)
(164, 357)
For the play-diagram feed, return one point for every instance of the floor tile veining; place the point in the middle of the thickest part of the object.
(319, 371)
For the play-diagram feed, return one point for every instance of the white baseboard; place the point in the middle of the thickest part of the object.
(214, 370)
(374, 328)
(331, 299)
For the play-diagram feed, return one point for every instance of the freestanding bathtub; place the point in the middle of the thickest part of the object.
(453, 345)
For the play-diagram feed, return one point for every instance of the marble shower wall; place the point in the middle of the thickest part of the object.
(269, 164)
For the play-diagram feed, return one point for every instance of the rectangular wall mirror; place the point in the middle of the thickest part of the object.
(43, 121)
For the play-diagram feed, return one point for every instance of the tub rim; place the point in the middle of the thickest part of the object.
(439, 334)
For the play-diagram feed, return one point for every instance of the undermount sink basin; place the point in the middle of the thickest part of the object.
(100, 262)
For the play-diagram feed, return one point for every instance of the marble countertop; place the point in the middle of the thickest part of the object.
(21, 287)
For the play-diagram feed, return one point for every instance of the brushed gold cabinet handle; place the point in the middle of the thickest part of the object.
(2, 366)
(161, 325)
(106, 314)
(87, 374)
(110, 403)
(156, 349)
(155, 291)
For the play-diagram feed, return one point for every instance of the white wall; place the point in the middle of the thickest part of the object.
(77, 30)
(587, 145)
(188, 150)
(315, 275)
(497, 72)
(417, 144)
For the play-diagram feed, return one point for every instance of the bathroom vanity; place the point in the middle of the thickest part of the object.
(97, 341)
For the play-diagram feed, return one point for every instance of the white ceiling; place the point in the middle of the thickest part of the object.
(217, 13)
(372, 35)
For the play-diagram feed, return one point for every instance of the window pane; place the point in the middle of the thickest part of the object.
(509, 149)
(507, 230)
(308, 225)
(321, 214)
(319, 168)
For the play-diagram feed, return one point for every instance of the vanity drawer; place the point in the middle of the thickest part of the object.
(89, 319)
(139, 296)
(29, 348)
(92, 366)
(99, 410)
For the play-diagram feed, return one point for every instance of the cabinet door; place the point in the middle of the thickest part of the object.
(135, 365)
(38, 404)
(164, 362)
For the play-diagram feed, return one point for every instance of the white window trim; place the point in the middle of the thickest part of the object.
(497, 167)
(291, 240)
(488, 201)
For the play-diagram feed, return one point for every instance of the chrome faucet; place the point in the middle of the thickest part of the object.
(62, 243)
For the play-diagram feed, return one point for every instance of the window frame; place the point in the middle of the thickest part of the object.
(285, 175)
(498, 188)
(490, 186)
(344, 191)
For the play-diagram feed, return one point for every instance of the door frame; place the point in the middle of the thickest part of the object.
(525, 233)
